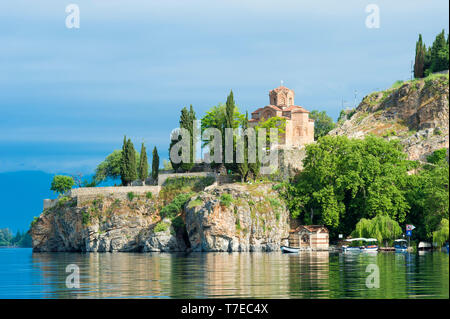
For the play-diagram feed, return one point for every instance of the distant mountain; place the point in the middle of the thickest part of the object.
(21, 195)
(414, 112)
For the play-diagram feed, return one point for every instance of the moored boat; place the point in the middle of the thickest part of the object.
(289, 250)
(370, 248)
(350, 248)
(401, 246)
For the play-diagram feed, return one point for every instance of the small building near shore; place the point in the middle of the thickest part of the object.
(314, 237)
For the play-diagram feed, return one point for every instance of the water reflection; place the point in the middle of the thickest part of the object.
(222, 275)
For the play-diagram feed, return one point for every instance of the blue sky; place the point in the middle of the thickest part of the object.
(67, 96)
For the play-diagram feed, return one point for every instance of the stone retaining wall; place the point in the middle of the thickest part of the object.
(86, 194)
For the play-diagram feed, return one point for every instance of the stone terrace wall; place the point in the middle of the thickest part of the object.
(86, 194)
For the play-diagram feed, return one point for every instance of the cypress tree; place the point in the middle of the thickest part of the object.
(128, 172)
(439, 53)
(420, 58)
(243, 168)
(123, 162)
(131, 158)
(155, 164)
(229, 123)
(143, 164)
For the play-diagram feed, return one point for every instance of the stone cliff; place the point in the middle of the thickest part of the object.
(234, 217)
(414, 112)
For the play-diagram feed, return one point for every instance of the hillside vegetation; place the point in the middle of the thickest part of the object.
(414, 112)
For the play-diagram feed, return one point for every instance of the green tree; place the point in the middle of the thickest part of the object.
(419, 63)
(322, 123)
(61, 183)
(439, 53)
(243, 168)
(110, 168)
(155, 164)
(345, 180)
(187, 119)
(381, 227)
(217, 117)
(143, 164)
(128, 171)
(276, 122)
(440, 236)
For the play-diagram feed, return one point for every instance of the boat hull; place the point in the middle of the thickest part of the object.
(289, 250)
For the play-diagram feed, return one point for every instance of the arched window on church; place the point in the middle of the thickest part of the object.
(298, 131)
(290, 101)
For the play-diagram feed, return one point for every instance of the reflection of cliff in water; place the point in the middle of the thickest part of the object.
(239, 275)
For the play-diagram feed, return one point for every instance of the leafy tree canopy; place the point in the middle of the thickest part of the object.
(322, 123)
(61, 183)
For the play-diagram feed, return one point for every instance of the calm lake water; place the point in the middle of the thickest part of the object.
(24, 274)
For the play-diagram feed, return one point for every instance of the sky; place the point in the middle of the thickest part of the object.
(68, 96)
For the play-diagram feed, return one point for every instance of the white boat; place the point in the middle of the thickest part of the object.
(347, 248)
(371, 248)
(289, 250)
(400, 245)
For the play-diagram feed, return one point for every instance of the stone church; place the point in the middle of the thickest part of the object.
(299, 127)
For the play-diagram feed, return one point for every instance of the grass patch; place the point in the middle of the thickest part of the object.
(226, 200)
(160, 227)
(131, 196)
(195, 203)
(175, 207)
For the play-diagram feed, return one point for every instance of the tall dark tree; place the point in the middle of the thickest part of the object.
(230, 107)
(155, 164)
(420, 58)
(243, 167)
(439, 53)
(143, 164)
(123, 165)
(128, 164)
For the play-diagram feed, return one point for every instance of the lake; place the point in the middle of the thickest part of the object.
(24, 274)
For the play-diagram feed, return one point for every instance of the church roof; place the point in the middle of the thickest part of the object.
(297, 109)
(281, 88)
(273, 107)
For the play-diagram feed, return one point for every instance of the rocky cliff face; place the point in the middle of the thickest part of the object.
(415, 112)
(104, 225)
(234, 217)
(237, 217)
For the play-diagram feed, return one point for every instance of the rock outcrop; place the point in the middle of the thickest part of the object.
(237, 217)
(415, 112)
(104, 225)
(233, 217)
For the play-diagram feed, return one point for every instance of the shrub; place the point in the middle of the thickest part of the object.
(34, 221)
(226, 200)
(437, 156)
(149, 195)
(131, 196)
(175, 207)
(85, 217)
(62, 184)
(275, 203)
(160, 227)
